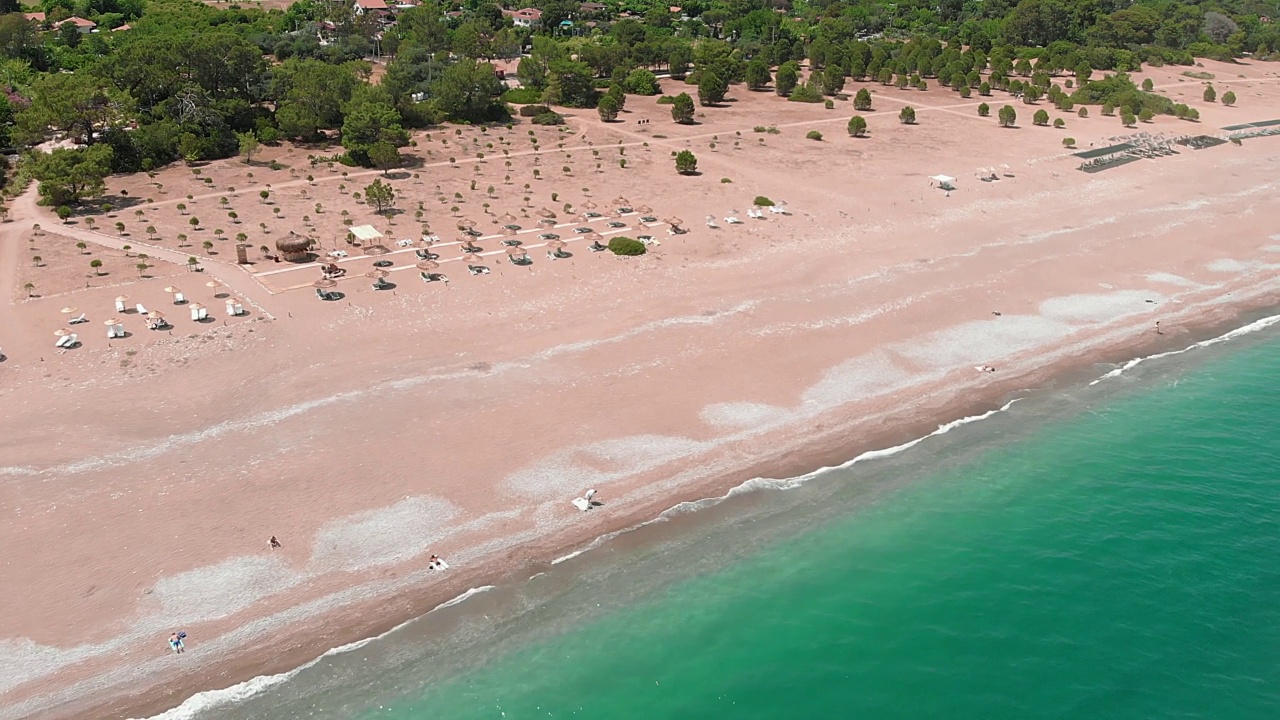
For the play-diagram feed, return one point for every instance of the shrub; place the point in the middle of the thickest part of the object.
(1146, 115)
(522, 96)
(686, 163)
(1040, 118)
(829, 104)
(641, 82)
(806, 93)
(626, 246)
(907, 116)
(1210, 94)
(762, 201)
(1059, 123)
(1068, 142)
(813, 135)
(1108, 109)
(1228, 98)
(862, 100)
(549, 118)
(1127, 119)
(759, 129)
(1084, 112)
(725, 181)
(533, 110)
(1008, 116)
(857, 126)
(666, 99)
(1147, 85)
(984, 110)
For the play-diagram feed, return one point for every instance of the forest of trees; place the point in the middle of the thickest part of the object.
(191, 82)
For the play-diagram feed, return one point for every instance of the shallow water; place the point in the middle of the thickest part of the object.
(1104, 552)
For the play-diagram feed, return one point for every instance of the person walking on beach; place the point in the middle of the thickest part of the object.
(175, 642)
(275, 544)
(1158, 330)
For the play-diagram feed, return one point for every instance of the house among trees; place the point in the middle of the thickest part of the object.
(591, 8)
(34, 17)
(376, 8)
(525, 17)
(84, 26)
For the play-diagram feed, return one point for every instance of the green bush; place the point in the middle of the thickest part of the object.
(806, 93)
(522, 96)
(626, 246)
(533, 110)
(984, 110)
(549, 118)
(813, 135)
(762, 201)
(1068, 142)
(666, 99)
(1059, 123)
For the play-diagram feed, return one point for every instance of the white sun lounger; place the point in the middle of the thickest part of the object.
(733, 220)
(199, 313)
(120, 306)
(778, 209)
(404, 243)
(64, 341)
(179, 299)
(115, 331)
(78, 319)
(141, 310)
(234, 309)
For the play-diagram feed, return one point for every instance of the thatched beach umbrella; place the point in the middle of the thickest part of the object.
(556, 244)
(173, 289)
(325, 283)
(593, 236)
(471, 258)
(427, 265)
(546, 212)
(69, 310)
(588, 205)
(62, 332)
(155, 314)
(644, 210)
(620, 201)
(377, 274)
(674, 221)
(294, 247)
(213, 284)
(517, 251)
(507, 218)
(111, 321)
(122, 298)
(376, 250)
(509, 230)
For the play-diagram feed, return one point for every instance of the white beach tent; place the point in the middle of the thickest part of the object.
(366, 233)
(943, 181)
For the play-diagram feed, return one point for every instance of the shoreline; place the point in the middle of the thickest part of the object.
(351, 627)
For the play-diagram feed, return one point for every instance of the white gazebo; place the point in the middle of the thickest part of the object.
(366, 233)
(946, 182)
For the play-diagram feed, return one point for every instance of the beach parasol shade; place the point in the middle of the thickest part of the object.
(516, 250)
(111, 321)
(466, 224)
(463, 238)
(194, 306)
(675, 221)
(427, 265)
(556, 244)
(588, 205)
(172, 289)
(325, 283)
(68, 310)
(644, 209)
(509, 230)
(546, 221)
(156, 314)
(546, 212)
(471, 258)
(593, 236)
(620, 201)
(377, 273)
(62, 332)
(213, 284)
(376, 250)
(507, 218)
(122, 298)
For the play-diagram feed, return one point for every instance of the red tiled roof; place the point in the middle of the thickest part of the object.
(372, 4)
(38, 17)
(80, 22)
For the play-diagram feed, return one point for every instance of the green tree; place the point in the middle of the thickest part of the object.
(642, 82)
(1148, 85)
(608, 108)
(79, 105)
(862, 100)
(1008, 116)
(248, 143)
(757, 74)
(1228, 98)
(679, 60)
(380, 195)
(385, 156)
(96, 264)
(1210, 94)
(1127, 119)
(857, 126)
(711, 87)
(468, 91)
(1041, 117)
(368, 122)
(682, 109)
(788, 77)
(686, 163)
(1145, 115)
(984, 110)
(66, 176)
(832, 79)
(907, 116)
(570, 84)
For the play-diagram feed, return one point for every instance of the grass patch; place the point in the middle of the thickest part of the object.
(1198, 75)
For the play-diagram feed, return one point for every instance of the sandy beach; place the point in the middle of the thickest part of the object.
(141, 477)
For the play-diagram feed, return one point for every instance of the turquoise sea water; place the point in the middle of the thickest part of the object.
(1096, 552)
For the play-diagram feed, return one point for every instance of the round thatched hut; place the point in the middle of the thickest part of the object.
(295, 247)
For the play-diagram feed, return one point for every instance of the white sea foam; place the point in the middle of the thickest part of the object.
(1229, 265)
(982, 340)
(1171, 279)
(740, 415)
(575, 469)
(211, 699)
(1252, 327)
(855, 379)
(216, 591)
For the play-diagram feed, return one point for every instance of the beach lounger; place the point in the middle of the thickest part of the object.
(732, 220)
(78, 319)
(179, 299)
(141, 310)
(430, 238)
(778, 209)
(338, 254)
(234, 309)
(615, 224)
(120, 306)
(648, 240)
(74, 340)
(199, 313)
(477, 269)
(404, 243)
(597, 247)
(325, 295)
(64, 341)
(382, 284)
